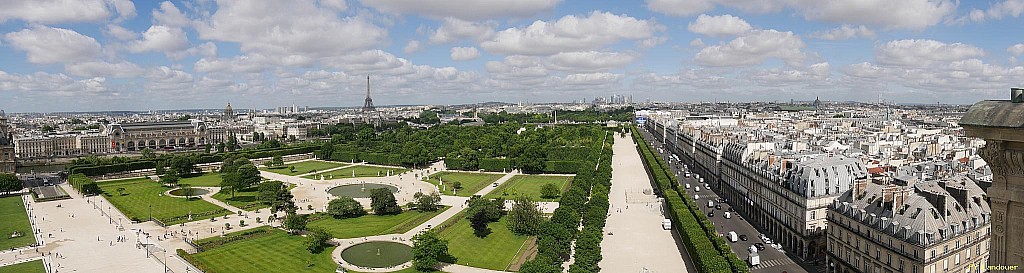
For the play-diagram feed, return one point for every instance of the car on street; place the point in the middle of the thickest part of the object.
(743, 237)
(711, 214)
(759, 246)
(718, 206)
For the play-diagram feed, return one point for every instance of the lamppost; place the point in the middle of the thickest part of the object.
(151, 212)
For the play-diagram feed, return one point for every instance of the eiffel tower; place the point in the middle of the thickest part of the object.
(368, 105)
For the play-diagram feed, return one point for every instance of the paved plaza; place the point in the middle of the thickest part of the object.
(634, 239)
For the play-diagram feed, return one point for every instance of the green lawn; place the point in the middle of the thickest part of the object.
(276, 252)
(496, 251)
(529, 185)
(141, 193)
(26, 267)
(12, 211)
(244, 199)
(369, 225)
(305, 167)
(206, 180)
(471, 182)
(360, 171)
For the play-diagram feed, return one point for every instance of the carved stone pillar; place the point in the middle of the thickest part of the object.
(1001, 125)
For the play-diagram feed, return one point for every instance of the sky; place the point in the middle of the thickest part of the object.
(99, 55)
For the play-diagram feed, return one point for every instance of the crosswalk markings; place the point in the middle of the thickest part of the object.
(771, 263)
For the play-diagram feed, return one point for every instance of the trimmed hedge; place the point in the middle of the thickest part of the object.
(561, 166)
(113, 168)
(496, 164)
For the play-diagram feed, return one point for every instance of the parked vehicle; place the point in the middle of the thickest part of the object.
(718, 206)
(666, 224)
(759, 246)
(754, 259)
(733, 237)
(711, 203)
(696, 189)
(728, 215)
(743, 237)
(687, 186)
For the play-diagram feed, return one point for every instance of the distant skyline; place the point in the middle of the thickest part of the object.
(108, 55)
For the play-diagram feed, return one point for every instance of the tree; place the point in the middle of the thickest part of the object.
(291, 169)
(428, 249)
(316, 240)
(230, 182)
(268, 191)
(91, 189)
(479, 222)
(187, 190)
(9, 183)
(170, 178)
(220, 148)
(525, 217)
(492, 209)
(283, 202)
(206, 148)
(277, 161)
(249, 176)
(457, 185)
(182, 165)
(47, 128)
(427, 202)
(345, 207)
(147, 153)
(383, 202)
(549, 191)
(295, 222)
(326, 150)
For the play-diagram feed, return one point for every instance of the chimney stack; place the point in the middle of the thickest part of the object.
(1017, 95)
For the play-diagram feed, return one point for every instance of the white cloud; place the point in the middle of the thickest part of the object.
(920, 53)
(697, 42)
(63, 11)
(754, 48)
(680, 7)
(570, 33)
(589, 61)
(237, 64)
(904, 14)
(453, 29)
(887, 14)
(411, 47)
(651, 42)
(371, 62)
(997, 11)
(723, 25)
(816, 73)
(464, 53)
(164, 79)
(592, 78)
(1016, 49)
(169, 15)
(289, 32)
(161, 39)
(46, 45)
(119, 32)
(104, 69)
(51, 84)
(206, 50)
(464, 9)
(845, 32)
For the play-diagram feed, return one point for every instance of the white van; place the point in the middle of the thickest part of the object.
(666, 224)
(711, 204)
(754, 259)
(733, 237)
(728, 215)
(697, 189)
(687, 186)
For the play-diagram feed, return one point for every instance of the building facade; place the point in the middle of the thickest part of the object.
(912, 226)
(157, 135)
(7, 155)
(61, 145)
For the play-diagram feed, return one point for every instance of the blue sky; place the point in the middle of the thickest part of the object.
(86, 55)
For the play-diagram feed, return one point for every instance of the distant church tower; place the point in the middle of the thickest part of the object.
(229, 114)
(368, 105)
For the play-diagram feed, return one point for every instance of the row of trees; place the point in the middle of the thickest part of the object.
(9, 183)
(587, 115)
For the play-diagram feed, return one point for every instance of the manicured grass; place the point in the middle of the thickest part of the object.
(141, 193)
(407, 270)
(26, 267)
(368, 225)
(361, 171)
(244, 199)
(206, 180)
(305, 167)
(14, 218)
(496, 251)
(529, 185)
(275, 252)
(471, 182)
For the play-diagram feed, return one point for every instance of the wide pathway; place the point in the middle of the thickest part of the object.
(634, 239)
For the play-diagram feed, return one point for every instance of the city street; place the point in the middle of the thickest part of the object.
(772, 260)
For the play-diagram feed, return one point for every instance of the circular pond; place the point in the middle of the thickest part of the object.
(359, 190)
(181, 192)
(377, 254)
